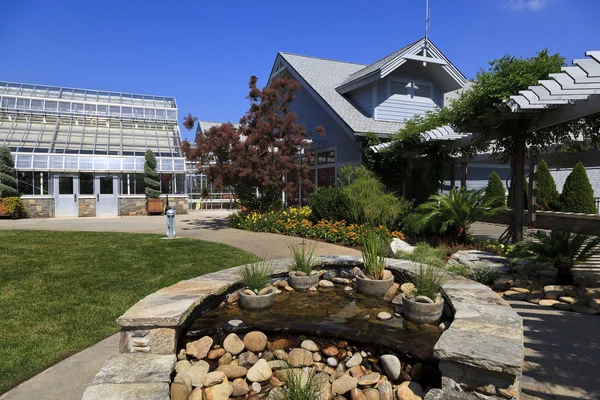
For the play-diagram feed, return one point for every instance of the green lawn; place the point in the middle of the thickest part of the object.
(62, 291)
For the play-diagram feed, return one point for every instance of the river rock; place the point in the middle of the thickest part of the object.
(371, 394)
(300, 358)
(260, 372)
(216, 353)
(584, 310)
(342, 281)
(514, 295)
(355, 360)
(399, 245)
(213, 378)
(197, 372)
(386, 392)
(276, 394)
(391, 366)
(357, 394)
(182, 355)
(561, 306)
(179, 391)
(239, 387)
(222, 391)
(594, 304)
(330, 350)
(280, 355)
(407, 288)
(325, 284)
(357, 371)
(317, 358)
(255, 341)
(409, 391)
(226, 359)
(199, 348)
(182, 366)
(384, 316)
(344, 384)
(247, 359)
(369, 379)
(332, 361)
(329, 275)
(504, 282)
(233, 344)
(184, 378)
(547, 302)
(474, 259)
(256, 387)
(278, 364)
(233, 371)
(309, 345)
(196, 394)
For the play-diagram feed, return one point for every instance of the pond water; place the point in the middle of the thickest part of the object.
(329, 312)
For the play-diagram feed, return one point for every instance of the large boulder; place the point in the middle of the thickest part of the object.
(474, 259)
(399, 245)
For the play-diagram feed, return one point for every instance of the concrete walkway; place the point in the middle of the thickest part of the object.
(562, 349)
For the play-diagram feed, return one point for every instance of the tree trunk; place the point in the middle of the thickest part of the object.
(517, 192)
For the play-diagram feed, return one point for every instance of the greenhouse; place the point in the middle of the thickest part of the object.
(80, 152)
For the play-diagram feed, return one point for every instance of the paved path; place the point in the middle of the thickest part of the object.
(562, 349)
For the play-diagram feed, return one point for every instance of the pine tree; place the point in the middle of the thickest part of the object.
(494, 191)
(578, 195)
(8, 183)
(547, 197)
(151, 176)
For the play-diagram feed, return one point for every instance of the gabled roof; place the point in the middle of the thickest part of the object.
(321, 76)
(414, 51)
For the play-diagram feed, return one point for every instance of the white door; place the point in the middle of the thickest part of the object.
(107, 198)
(65, 195)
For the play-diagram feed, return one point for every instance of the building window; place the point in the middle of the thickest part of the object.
(25, 179)
(32, 183)
(326, 177)
(327, 157)
(86, 183)
(411, 89)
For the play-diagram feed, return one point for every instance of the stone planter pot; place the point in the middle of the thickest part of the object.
(258, 302)
(303, 282)
(417, 310)
(374, 287)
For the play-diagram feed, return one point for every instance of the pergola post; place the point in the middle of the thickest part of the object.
(532, 190)
(463, 174)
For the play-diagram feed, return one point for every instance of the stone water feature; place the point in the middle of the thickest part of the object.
(480, 353)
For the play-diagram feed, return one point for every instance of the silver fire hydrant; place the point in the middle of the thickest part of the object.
(170, 224)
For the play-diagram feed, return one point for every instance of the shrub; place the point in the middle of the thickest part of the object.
(330, 203)
(495, 195)
(559, 249)
(425, 254)
(303, 258)
(151, 176)
(428, 281)
(374, 250)
(256, 276)
(15, 207)
(547, 197)
(301, 384)
(484, 274)
(8, 183)
(578, 195)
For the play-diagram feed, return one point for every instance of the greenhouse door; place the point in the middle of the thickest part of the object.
(107, 199)
(65, 195)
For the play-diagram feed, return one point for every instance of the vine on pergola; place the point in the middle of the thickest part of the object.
(509, 136)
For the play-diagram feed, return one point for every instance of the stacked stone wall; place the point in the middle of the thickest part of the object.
(86, 206)
(42, 207)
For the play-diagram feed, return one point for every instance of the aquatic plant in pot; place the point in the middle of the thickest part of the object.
(258, 294)
(376, 280)
(425, 304)
(302, 275)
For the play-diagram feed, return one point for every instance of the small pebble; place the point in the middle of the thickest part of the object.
(256, 387)
(332, 361)
(235, 322)
(348, 289)
(288, 289)
(384, 316)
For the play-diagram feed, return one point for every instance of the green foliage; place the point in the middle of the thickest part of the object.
(301, 384)
(8, 183)
(578, 195)
(547, 197)
(495, 194)
(256, 276)
(559, 249)
(453, 213)
(330, 203)
(368, 200)
(485, 274)
(151, 176)
(370, 159)
(374, 250)
(15, 207)
(428, 281)
(303, 258)
(425, 254)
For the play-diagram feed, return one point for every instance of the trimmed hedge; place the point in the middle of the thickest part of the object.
(578, 195)
(547, 197)
(330, 203)
(494, 191)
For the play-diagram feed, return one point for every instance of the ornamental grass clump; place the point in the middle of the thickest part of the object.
(256, 276)
(301, 384)
(428, 282)
(374, 250)
(303, 258)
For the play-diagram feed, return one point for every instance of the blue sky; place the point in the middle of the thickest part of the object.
(203, 52)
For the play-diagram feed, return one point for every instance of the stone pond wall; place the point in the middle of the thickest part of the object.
(39, 207)
(480, 354)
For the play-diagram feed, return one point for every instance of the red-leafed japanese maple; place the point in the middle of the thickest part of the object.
(266, 162)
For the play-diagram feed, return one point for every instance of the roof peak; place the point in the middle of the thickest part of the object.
(321, 58)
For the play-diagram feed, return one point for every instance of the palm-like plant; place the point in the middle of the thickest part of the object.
(561, 250)
(454, 212)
